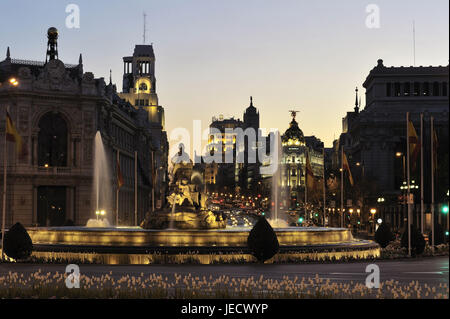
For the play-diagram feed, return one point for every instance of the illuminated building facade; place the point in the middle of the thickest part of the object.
(295, 147)
(57, 109)
(231, 175)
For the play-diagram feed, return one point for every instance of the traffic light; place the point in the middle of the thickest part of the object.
(444, 209)
(300, 220)
(317, 215)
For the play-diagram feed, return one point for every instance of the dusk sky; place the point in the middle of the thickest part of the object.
(212, 55)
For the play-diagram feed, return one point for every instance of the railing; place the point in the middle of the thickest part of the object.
(38, 63)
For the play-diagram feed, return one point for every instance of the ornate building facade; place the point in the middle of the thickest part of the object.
(295, 148)
(374, 138)
(58, 109)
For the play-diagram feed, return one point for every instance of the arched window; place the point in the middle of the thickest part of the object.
(406, 89)
(435, 89)
(426, 89)
(52, 140)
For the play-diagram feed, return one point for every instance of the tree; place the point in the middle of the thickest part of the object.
(383, 235)
(417, 241)
(18, 244)
(263, 241)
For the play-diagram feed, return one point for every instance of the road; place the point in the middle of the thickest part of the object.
(430, 271)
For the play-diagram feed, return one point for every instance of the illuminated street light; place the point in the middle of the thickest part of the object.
(373, 211)
(398, 154)
(13, 81)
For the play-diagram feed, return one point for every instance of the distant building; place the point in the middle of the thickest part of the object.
(58, 108)
(295, 148)
(233, 175)
(373, 137)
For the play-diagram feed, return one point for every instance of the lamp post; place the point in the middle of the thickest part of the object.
(403, 187)
(14, 83)
(373, 211)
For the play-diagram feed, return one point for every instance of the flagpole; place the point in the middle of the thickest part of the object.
(5, 159)
(421, 174)
(324, 188)
(153, 181)
(306, 187)
(408, 181)
(118, 188)
(432, 184)
(135, 189)
(342, 186)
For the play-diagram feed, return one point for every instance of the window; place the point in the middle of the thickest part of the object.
(388, 89)
(435, 89)
(397, 89)
(416, 89)
(426, 89)
(444, 89)
(407, 89)
(52, 140)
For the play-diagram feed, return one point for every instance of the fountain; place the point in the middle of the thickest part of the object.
(102, 192)
(184, 226)
(187, 207)
(275, 220)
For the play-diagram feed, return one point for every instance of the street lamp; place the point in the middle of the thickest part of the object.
(13, 82)
(373, 211)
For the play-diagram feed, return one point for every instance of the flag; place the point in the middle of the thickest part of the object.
(119, 176)
(14, 136)
(346, 167)
(414, 145)
(435, 148)
(310, 179)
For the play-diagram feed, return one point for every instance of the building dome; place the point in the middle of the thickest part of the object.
(293, 133)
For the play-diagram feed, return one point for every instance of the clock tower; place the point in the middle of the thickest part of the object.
(139, 83)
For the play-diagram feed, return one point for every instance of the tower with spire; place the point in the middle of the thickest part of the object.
(139, 83)
(357, 106)
(251, 117)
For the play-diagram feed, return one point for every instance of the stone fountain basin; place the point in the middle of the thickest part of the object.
(138, 237)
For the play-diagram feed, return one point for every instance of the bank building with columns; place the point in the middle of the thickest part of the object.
(58, 109)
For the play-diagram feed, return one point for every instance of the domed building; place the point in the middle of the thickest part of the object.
(295, 147)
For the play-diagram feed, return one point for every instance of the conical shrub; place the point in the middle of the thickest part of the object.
(417, 241)
(262, 241)
(18, 244)
(383, 235)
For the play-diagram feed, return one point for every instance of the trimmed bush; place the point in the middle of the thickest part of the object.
(417, 241)
(18, 244)
(439, 235)
(383, 235)
(263, 241)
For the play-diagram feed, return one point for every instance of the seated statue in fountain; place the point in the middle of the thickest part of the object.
(187, 205)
